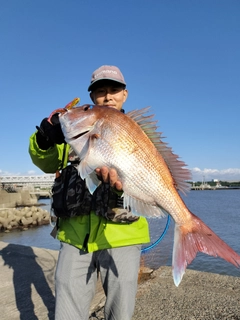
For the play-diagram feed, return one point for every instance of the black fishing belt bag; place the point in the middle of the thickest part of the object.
(70, 198)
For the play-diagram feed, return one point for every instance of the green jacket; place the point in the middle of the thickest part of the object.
(89, 232)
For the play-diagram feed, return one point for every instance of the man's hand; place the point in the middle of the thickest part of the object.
(49, 133)
(110, 176)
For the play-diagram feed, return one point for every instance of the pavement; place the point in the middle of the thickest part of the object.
(27, 290)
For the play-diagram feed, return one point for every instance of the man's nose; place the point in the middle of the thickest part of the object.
(108, 96)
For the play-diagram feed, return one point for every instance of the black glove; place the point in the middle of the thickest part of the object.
(49, 134)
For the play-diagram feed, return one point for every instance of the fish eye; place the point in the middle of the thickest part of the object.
(87, 107)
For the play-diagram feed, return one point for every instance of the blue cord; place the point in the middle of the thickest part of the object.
(159, 239)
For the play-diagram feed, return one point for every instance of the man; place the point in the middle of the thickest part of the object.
(93, 243)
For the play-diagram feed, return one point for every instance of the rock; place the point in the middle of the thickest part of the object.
(23, 218)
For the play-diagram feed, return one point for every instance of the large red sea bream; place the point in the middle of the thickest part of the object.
(151, 175)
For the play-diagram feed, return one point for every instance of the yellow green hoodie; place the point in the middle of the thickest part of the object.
(88, 232)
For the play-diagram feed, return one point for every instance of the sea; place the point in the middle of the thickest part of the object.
(219, 209)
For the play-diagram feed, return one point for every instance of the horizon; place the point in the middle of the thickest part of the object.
(203, 178)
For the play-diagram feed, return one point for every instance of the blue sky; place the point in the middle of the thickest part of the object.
(179, 57)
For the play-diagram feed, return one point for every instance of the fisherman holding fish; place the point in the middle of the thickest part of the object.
(102, 237)
(107, 236)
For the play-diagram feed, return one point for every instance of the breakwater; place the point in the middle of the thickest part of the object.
(20, 210)
(23, 197)
(213, 188)
(23, 218)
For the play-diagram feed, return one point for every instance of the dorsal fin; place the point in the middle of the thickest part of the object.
(175, 166)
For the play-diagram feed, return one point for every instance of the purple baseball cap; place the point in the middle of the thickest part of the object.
(107, 73)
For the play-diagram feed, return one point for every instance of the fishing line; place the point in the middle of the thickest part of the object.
(160, 238)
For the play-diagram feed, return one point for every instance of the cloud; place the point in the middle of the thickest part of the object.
(31, 172)
(231, 174)
(8, 173)
(27, 173)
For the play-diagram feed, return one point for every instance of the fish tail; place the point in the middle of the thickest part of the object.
(188, 241)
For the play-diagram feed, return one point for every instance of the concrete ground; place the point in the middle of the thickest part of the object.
(27, 291)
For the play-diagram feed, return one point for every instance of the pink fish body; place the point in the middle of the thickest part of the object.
(150, 173)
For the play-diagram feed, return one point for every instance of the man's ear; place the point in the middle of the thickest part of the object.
(125, 93)
(92, 97)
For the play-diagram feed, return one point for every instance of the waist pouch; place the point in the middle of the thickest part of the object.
(69, 194)
(71, 198)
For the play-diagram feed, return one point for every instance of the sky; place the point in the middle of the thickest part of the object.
(182, 58)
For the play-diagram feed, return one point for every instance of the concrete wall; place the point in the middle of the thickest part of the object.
(22, 198)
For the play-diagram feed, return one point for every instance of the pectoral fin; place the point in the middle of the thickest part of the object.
(92, 182)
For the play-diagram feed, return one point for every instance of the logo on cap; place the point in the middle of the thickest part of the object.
(104, 71)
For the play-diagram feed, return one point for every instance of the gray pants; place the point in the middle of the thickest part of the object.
(76, 277)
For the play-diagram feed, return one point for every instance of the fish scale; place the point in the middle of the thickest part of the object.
(131, 152)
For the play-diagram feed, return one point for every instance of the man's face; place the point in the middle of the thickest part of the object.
(111, 95)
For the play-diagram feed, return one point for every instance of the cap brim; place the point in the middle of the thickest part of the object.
(104, 79)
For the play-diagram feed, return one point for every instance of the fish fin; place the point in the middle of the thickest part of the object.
(140, 208)
(92, 182)
(86, 171)
(199, 238)
(177, 167)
